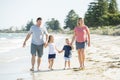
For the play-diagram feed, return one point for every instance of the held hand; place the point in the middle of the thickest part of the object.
(45, 44)
(71, 44)
(58, 51)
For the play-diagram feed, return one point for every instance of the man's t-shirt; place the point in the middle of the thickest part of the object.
(37, 34)
(67, 50)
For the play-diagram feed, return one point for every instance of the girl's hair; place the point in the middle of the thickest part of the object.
(49, 38)
(79, 20)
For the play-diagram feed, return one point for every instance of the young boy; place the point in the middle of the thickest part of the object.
(67, 53)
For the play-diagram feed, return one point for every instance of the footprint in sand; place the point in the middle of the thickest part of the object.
(77, 69)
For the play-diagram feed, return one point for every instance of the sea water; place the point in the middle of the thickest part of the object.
(11, 43)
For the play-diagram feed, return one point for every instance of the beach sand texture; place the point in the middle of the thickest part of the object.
(102, 61)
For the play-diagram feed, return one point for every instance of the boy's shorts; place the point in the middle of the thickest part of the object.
(67, 59)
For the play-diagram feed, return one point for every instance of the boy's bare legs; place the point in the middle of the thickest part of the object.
(32, 62)
(65, 64)
(69, 64)
(38, 62)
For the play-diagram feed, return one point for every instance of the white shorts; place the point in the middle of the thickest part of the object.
(67, 59)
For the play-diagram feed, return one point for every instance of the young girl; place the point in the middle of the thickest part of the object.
(52, 51)
(67, 53)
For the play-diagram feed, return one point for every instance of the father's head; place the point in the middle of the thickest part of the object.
(39, 21)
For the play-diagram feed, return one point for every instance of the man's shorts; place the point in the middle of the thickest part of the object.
(38, 49)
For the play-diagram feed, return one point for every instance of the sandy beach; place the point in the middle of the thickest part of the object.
(102, 61)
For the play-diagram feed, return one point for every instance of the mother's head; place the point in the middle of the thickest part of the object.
(80, 22)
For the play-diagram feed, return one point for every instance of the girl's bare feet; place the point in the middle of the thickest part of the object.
(32, 69)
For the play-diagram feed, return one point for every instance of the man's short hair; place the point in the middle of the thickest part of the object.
(39, 18)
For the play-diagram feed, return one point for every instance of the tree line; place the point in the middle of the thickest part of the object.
(102, 13)
(99, 13)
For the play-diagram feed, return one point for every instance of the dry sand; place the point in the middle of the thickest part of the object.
(102, 63)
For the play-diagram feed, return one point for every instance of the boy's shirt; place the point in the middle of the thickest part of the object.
(67, 50)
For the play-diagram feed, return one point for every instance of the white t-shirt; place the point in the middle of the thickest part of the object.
(37, 34)
(52, 48)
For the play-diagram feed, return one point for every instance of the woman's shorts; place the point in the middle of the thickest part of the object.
(50, 56)
(80, 45)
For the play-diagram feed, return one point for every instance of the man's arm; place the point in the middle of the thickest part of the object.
(27, 37)
(46, 38)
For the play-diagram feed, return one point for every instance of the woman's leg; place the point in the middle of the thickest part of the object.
(83, 56)
(79, 57)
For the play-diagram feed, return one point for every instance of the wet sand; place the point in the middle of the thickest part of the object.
(102, 62)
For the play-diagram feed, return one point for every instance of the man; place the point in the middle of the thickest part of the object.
(37, 42)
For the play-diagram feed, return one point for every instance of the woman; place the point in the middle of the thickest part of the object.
(82, 35)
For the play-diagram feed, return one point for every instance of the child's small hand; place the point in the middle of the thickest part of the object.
(58, 51)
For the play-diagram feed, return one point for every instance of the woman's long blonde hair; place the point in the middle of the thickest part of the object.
(78, 24)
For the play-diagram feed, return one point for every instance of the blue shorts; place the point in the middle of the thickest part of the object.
(38, 49)
(51, 56)
(80, 45)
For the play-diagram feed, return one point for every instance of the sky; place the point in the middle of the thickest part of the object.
(18, 12)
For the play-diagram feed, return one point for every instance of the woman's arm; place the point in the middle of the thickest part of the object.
(71, 46)
(73, 39)
(88, 34)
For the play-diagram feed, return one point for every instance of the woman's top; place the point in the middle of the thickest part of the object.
(81, 33)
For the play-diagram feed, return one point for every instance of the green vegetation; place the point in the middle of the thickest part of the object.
(102, 17)
(53, 25)
(102, 13)
(106, 30)
(71, 20)
(28, 25)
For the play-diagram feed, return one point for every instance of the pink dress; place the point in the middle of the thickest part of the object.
(81, 33)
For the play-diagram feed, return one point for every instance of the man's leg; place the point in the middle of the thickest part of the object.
(33, 53)
(40, 53)
(32, 62)
(38, 62)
